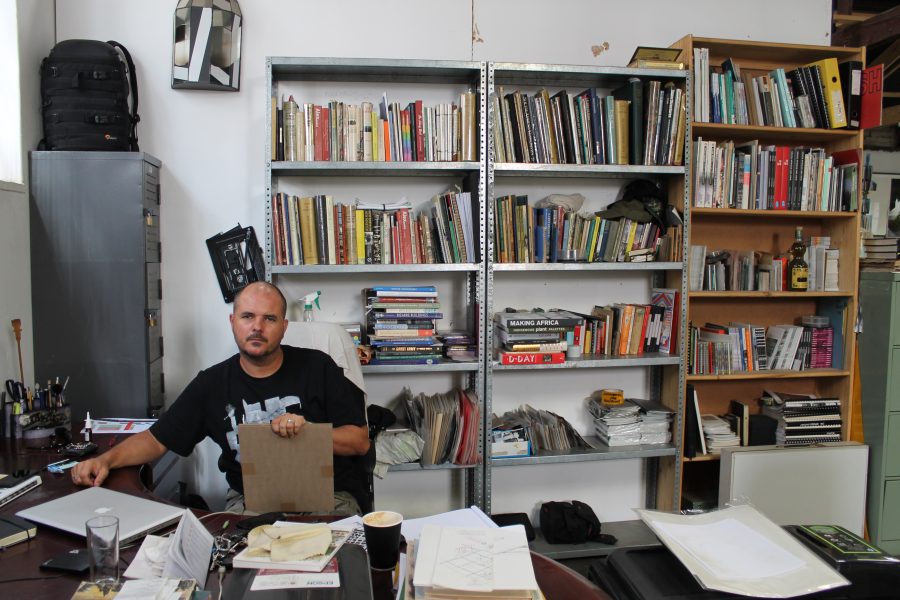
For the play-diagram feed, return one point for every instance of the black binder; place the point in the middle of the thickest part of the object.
(851, 84)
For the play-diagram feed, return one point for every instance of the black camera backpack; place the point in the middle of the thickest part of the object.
(84, 90)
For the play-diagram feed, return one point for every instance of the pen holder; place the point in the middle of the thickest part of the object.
(36, 426)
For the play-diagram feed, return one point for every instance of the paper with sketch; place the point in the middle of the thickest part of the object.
(474, 559)
(739, 550)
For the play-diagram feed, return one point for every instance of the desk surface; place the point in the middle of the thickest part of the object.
(22, 561)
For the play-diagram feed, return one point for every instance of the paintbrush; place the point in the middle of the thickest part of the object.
(17, 329)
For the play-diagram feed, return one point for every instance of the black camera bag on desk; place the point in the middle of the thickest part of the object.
(571, 523)
(85, 86)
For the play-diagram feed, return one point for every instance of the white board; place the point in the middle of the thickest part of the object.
(799, 486)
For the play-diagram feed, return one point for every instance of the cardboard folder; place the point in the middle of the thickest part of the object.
(287, 474)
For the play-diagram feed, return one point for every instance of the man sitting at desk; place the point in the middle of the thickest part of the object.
(264, 382)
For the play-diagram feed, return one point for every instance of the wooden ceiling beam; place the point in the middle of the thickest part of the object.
(890, 116)
(843, 20)
(890, 58)
(881, 27)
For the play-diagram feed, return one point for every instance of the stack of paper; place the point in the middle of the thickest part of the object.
(718, 434)
(618, 425)
(474, 563)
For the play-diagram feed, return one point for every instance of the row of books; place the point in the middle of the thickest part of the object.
(618, 329)
(448, 423)
(715, 349)
(820, 94)
(803, 419)
(752, 176)
(314, 230)
(637, 123)
(753, 270)
(342, 131)
(542, 429)
(635, 421)
(400, 323)
(541, 234)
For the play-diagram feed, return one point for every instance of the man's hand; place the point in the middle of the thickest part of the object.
(287, 425)
(90, 472)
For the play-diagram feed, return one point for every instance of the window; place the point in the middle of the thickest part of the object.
(10, 110)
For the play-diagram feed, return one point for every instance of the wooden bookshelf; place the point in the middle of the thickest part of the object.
(767, 231)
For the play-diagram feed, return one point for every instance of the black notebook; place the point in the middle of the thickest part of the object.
(14, 530)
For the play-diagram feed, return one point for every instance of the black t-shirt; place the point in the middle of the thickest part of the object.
(220, 398)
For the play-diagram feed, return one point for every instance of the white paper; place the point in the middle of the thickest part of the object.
(733, 550)
(483, 559)
(119, 426)
(273, 579)
(150, 559)
(148, 589)
(738, 550)
(190, 551)
(470, 518)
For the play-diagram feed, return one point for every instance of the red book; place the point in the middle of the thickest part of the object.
(643, 337)
(386, 139)
(532, 358)
(326, 133)
(782, 158)
(319, 132)
(277, 226)
(405, 233)
(420, 132)
(872, 92)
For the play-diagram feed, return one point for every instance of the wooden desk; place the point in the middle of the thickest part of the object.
(23, 560)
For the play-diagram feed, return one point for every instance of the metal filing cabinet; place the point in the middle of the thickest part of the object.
(95, 277)
(879, 361)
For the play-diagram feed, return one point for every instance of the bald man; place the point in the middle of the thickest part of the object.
(263, 382)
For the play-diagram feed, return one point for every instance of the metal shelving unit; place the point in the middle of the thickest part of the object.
(658, 366)
(470, 175)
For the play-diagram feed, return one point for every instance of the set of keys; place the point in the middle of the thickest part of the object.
(226, 545)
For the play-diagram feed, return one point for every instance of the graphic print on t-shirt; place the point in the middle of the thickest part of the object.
(258, 412)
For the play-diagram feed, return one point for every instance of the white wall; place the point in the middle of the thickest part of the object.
(36, 37)
(212, 143)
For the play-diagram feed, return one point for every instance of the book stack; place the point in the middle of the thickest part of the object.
(533, 338)
(342, 131)
(400, 324)
(615, 425)
(638, 123)
(881, 254)
(459, 345)
(316, 230)
(718, 434)
(803, 419)
(448, 423)
(550, 234)
(656, 421)
(750, 175)
(808, 96)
